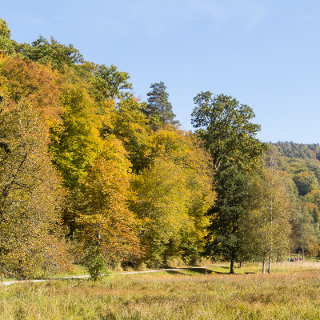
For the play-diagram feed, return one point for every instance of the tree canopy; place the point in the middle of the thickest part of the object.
(92, 175)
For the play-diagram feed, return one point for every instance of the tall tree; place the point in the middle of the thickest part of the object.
(173, 196)
(230, 137)
(269, 226)
(7, 46)
(76, 140)
(30, 240)
(104, 222)
(158, 108)
(161, 205)
(75, 144)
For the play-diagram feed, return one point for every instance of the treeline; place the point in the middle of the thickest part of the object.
(91, 175)
(299, 150)
(304, 174)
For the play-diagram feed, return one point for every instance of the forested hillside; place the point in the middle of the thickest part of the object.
(91, 175)
(299, 150)
(300, 162)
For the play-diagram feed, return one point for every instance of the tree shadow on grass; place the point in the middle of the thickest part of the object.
(175, 272)
(199, 270)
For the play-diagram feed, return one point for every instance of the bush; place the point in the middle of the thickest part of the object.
(94, 262)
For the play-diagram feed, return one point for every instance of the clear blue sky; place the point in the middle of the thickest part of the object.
(266, 53)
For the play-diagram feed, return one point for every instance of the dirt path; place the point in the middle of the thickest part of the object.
(86, 276)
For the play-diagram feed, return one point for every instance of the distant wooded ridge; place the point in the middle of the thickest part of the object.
(298, 150)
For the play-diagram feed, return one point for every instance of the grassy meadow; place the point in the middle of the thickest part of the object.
(291, 292)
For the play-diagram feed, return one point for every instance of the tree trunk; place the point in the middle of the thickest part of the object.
(241, 264)
(269, 264)
(263, 266)
(232, 266)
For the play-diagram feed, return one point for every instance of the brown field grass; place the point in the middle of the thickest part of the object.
(291, 293)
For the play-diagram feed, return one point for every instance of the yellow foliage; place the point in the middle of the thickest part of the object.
(106, 219)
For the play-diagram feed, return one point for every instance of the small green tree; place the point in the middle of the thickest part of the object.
(94, 261)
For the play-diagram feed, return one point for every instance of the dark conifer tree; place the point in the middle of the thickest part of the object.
(159, 108)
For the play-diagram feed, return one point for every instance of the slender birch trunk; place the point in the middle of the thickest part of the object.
(264, 265)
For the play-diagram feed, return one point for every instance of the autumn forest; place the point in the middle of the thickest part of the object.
(91, 175)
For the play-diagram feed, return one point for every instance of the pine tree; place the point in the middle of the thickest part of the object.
(159, 109)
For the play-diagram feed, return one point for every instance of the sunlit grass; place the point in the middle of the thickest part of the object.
(184, 294)
(76, 270)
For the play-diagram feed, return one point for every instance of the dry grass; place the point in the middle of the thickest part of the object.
(184, 294)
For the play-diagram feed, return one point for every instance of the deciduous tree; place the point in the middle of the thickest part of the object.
(30, 236)
(226, 129)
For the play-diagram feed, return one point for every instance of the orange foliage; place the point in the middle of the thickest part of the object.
(32, 82)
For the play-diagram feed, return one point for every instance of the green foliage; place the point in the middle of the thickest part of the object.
(161, 204)
(4, 29)
(131, 126)
(94, 262)
(173, 196)
(304, 195)
(159, 109)
(305, 225)
(230, 213)
(7, 46)
(298, 150)
(226, 129)
(109, 83)
(305, 182)
(50, 52)
(268, 226)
